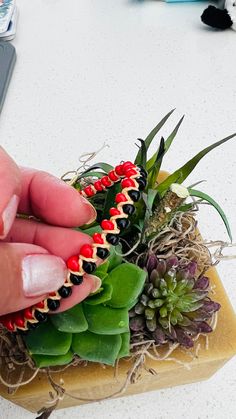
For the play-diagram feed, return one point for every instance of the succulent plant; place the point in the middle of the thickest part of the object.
(174, 305)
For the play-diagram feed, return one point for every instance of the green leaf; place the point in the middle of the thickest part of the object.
(205, 197)
(168, 143)
(125, 345)
(114, 258)
(181, 174)
(70, 321)
(103, 166)
(102, 269)
(91, 230)
(46, 340)
(98, 175)
(106, 320)
(143, 153)
(110, 199)
(157, 164)
(127, 281)
(42, 361)
(152, 135)
(97, 348)
(101, 297)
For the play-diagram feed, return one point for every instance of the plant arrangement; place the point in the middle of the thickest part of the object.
(155, 291)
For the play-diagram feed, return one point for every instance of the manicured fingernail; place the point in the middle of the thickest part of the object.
(42, 274)
(92, 210)
(9, 215)
(96, 283)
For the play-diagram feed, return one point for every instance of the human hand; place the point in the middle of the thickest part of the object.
(32, 253)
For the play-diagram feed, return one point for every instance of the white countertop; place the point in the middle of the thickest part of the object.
(108, 70)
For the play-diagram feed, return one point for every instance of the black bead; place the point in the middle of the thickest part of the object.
(122, 223)
(31, 326)
(76, 279)
(89, 267)
(65, 292)
(41, 317)
(113, 239)
(142, 183)
(102, 253)
(142, 171)
(134, 195)
(53, 304)
(128, 209)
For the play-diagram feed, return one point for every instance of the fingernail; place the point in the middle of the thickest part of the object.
(96, 283)
(42, 274)
(92, 210)
(9, 215)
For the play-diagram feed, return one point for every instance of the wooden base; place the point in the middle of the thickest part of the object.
(95, 381)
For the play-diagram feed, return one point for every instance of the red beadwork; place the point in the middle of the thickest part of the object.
(28, 313)
(130, 172)
(97, 238)
(40, 304)
(114, 211)
(106, 181)
(8, 323)
(128, 165)
(124, 171)
(107, 225)
(113, 176)
(98, 185)
(86, 251)
(127, 183)
(119, 170)
(73, 264)
(19, 319)
(120, 197)
(89, 191)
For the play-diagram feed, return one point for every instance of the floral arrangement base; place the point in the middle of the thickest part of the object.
(96, 382)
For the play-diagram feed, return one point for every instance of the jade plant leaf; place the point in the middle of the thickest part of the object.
(152, 135)
(70, 321)
(102, 296)
(106, 320)
(125, 345)
(47, 340)
(213, 203)
(42, 361)
(97, 348)
(101, 270)
(115, 257)
(127, 281)
(181, 174)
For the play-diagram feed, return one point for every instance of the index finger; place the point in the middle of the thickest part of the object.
(10, 191)
(53, 201)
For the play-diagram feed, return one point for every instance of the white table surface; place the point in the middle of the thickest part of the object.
(90, 71)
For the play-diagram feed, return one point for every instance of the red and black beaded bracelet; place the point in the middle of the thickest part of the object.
(133, 180)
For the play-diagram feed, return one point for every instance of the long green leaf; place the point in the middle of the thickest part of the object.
(181, 174)
(103, 166)
(157, 164)
(205, 197)
(168, 143)
(143, 150)
(152, 134)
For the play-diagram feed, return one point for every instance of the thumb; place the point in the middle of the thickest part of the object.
(27, 274)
